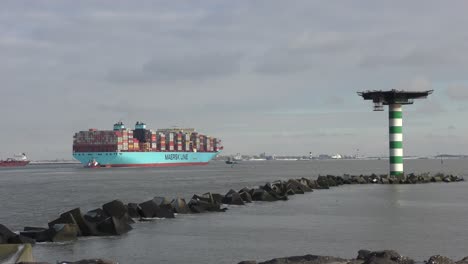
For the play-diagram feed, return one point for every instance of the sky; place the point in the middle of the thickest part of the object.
(264, 76)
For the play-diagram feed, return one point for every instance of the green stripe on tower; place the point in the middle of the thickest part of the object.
(396, 160)
(396, 144)
(396, 130)
(396, 114)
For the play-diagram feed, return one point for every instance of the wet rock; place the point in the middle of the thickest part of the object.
(313, 184)
(248, 262)
(89, 261)
(436, 179)
(115, 208)
(133, 210)
(64, 232)
(93, 218)
(232, 197)
(322, 182)
(385, 181)
(439, 260)
(204, 203)
(307, 259)
(331, 180)
(65, 218)
(73, 216)
(159, 200)
(113, 226)
(297, 187)
(363, 254)
(180, 206)
(39, 234)
(16, 253)
(5, 234)
(262, 195)
(279, 194)
(246, 197)
(217, 198)
(387, 257)
(150, 209)
(463, 261)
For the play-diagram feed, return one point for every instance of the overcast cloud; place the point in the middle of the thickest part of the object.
(265, 76)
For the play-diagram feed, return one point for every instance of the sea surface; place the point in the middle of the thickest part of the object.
(416, 220)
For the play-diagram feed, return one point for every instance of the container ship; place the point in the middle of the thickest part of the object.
(17, 161)
(142, 147)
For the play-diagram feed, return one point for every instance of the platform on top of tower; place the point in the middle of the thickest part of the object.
(394, 96)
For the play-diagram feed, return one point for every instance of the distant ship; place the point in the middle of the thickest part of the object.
(142, 147)
(16, 161)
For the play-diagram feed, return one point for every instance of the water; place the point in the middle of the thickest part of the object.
(416, 220)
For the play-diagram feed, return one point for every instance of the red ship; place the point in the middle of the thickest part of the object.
(17, 161)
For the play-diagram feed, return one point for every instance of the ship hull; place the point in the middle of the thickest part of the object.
(146, 159)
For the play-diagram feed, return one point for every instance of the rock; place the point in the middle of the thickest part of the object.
(73, 216)
(133, 210)
(39, 234)
(233, 197)
(322, 182)
(248, 262)
(217, 198)
(89, 261)
(313, 184)
(385, 181)
(387, 257)
(159, 200)
(114, 226)
(180, 206)
(279, 194)
(331, 181)
(64, 232)
(246, 197)
(463, 261)
(307, 259)
(363, 254)
(5, 234)
(150, 209)
(205, 203)
(93, 218)
(439, 260)
(115, 208)
(297, 187)
(262, 195)
(436, 179)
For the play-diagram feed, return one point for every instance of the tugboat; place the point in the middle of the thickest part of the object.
(93, 164)
(16, 161)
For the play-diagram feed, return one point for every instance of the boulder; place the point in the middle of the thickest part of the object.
(297, 187)
(115, 208)
(463, 261)
(39, 234)
(180, 206)
(205, 203)
(439, 260)
(233, 197)
(277, 196)
(93, 218)
(386, 257)
(262, 195)
(322, 182)
(73, 216)
(64, 232)
(133, 210)
(331, 181)
(436, 179)
(5, 234)
(217, 198)
(159, 200)
(114, 226)
(150, 209)
(246, 197)
(307, 259)
(89, 261)
(363, 254)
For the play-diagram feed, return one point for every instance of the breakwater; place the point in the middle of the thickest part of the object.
(363, 257)
(274, 191)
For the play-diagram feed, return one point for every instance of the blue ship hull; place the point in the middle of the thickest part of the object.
(145, 159)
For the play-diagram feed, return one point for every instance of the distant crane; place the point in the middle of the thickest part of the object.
(394, 99)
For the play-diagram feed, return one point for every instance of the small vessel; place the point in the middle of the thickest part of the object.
(16, 161)
(93, 164)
